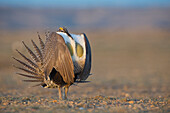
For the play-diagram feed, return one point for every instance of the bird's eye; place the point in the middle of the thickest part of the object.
(70, 48)
(79, 50)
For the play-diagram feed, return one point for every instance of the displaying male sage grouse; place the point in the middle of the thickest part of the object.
(64, 59)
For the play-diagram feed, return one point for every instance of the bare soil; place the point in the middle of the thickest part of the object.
(130, 73)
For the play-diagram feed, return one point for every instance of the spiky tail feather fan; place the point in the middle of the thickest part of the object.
(32, 67)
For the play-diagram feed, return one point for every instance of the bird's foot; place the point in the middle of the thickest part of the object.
(65, 98)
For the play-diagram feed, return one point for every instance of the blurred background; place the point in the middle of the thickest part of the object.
(130, 41)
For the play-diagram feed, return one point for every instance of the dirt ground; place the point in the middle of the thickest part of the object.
(130, 73)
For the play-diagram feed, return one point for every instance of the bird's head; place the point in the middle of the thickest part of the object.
(63, 29)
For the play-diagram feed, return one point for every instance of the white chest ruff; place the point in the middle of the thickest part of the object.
(78, 61)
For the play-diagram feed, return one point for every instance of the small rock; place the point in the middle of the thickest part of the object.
(54, 101)
(5, 103)
(90, 110)
(152, 106)
(81, 108)
(127, 95)
(130, 106)
(131, 102)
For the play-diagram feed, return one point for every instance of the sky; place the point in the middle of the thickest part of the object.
(84, 3)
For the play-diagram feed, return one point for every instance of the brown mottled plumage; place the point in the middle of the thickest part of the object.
(53, 65)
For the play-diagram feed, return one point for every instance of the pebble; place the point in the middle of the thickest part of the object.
(81, 108)
(131, 102)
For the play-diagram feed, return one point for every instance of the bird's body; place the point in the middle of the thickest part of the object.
(63, 59)
(73, 43)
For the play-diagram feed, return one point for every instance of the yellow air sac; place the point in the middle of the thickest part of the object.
(70, 48)
(79, 50)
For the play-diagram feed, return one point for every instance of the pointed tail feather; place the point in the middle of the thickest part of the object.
(37, 85)
(34, 57)
(27, 66)
(42, 45)
(47, 34)
(29, 76)
(82, 81)
(38, 52)
(32, 80)
(28, 60)
(28, 71)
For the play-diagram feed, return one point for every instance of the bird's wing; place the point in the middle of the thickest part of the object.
(87, 67)
(56, 55)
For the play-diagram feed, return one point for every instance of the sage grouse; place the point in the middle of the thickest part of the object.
(63, 59)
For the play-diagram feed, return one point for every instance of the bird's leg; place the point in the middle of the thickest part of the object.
(66, 92)
(59, 91)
